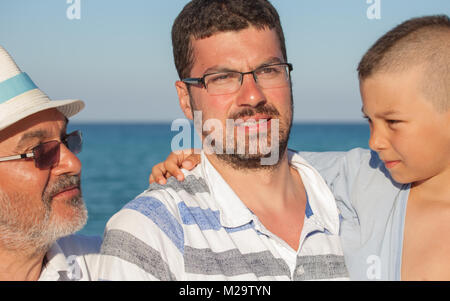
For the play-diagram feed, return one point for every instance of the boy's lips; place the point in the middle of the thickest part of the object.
(391, 164)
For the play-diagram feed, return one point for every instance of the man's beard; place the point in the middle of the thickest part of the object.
(252, 160)
(37, 229)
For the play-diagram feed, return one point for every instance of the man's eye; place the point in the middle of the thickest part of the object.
(268, 70)
(392, 121)
(219, 78)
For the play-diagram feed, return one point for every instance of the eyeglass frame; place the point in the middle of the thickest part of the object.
(32, 155)
(201, 80)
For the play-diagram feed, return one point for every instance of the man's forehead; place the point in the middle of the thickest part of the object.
(42, 125)
(46, 129)
(252, 45)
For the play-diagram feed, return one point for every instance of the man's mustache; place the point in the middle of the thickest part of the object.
(64, 182)
(265, 109)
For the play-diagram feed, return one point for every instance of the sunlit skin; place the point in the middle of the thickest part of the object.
(413, 139)
(278, 208)
(22, 176)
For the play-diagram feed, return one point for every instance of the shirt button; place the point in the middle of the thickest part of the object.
(300, 270)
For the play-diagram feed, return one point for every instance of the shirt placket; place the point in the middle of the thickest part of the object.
(310, 228)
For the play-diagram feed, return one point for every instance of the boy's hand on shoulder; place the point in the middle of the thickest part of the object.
(171, 167)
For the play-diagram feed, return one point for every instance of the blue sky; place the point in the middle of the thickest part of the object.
(118, 56)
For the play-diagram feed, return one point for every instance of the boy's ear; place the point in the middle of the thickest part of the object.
(184, 99)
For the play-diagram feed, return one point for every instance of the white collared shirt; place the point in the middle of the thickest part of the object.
(72, 258)
(199, 229)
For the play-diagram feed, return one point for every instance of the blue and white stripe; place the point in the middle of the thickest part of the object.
(15, 86)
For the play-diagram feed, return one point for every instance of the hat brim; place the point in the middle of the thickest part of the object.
(67, 107)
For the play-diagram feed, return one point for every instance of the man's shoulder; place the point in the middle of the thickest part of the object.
(193, 183)
(152, 223)
(168, 197)
(146, 238)
(161, 208)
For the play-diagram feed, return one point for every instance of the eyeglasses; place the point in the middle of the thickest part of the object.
(268, 76)
(46, 155)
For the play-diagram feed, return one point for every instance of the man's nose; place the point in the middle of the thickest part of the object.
(250, 93)
(68, 162)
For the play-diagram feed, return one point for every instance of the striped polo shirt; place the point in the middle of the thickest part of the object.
(199, 229)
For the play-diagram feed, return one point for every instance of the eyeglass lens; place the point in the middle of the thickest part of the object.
(74, 142)
(46, 155)
(275, 76)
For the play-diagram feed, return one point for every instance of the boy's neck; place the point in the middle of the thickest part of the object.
(436, 189)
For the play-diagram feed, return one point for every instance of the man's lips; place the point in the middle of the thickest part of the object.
(253, 122)
(71, 191)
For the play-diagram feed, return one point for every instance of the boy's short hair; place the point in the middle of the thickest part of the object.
(201, 19)
(424, 42)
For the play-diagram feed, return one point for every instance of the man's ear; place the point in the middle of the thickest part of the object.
(184, 99)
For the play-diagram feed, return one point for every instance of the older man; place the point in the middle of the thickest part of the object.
(40, 194)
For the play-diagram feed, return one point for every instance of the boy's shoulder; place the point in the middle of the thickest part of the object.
(345, 165)
(357, 157)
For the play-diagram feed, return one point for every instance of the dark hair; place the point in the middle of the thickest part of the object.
(200, 19)
(373, 58)
(423, 41)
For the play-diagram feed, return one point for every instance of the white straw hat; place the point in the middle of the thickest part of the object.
(20, 97)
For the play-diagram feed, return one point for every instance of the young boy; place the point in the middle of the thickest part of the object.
(394, 201)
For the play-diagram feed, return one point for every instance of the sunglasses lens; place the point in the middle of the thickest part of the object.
(74, 142)
(46, 155)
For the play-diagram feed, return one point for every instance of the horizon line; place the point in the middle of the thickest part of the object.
(130, 122)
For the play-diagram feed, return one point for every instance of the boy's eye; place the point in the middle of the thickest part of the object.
(392, 121)
(367, 118)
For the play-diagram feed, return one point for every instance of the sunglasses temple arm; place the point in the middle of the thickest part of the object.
(16, 157)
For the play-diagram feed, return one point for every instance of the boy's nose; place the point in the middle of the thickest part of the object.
(377, 142)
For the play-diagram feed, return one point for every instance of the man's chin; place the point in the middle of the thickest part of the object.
(67, 220)
(251, 161)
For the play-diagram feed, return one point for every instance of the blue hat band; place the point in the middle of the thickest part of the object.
(15, 86)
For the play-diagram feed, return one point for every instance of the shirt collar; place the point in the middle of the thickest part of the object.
(234, 213)
(321, 201)
(55, 267)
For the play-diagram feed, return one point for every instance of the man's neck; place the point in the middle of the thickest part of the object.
(19, 265)
(262, 188)
(276, 196)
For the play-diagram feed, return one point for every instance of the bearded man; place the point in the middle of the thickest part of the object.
(239, 215)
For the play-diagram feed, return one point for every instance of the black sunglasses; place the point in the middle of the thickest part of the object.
(46, 155)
